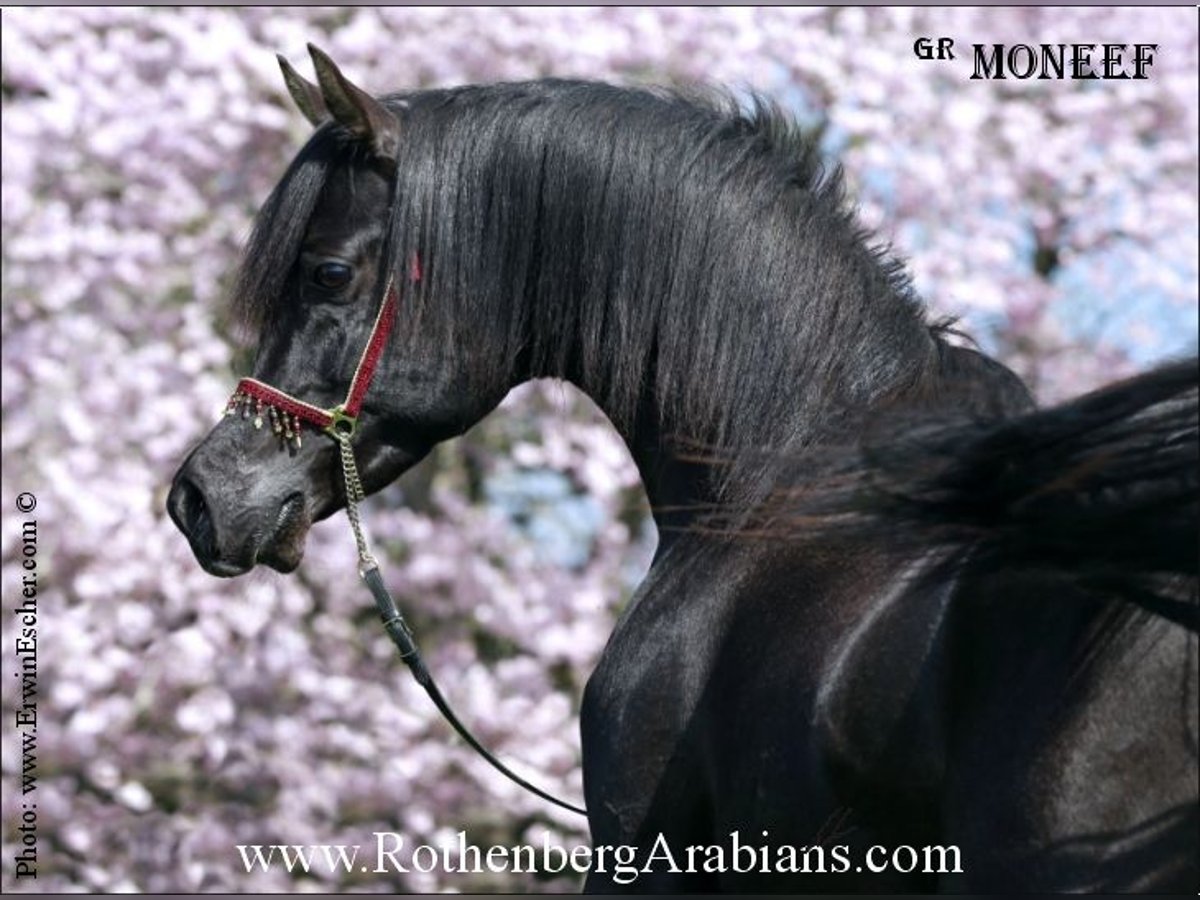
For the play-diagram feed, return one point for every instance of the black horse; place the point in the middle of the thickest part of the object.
(822, 712)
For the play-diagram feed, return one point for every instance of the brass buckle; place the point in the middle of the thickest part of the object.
(342, 424)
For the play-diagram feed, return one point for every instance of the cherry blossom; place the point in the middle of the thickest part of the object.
(181, 715)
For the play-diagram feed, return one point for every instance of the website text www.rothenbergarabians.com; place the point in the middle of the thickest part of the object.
(390, 853)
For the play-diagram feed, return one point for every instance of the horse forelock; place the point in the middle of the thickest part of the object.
(279, 228)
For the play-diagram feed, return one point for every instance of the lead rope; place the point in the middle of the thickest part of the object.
(397, 628)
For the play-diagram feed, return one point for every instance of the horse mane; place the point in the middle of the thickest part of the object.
(1103, 490)
(656, 238)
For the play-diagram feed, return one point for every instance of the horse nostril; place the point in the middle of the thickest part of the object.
(189, 509)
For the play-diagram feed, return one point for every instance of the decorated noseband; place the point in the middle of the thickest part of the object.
(285, 425)
(287, 414)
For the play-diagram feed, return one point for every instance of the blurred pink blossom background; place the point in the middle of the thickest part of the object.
(181, 715)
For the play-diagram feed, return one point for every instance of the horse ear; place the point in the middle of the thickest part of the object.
(306, 95)
(356, 110)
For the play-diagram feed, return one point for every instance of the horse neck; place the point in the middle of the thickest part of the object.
(689, 475)
(680, 477)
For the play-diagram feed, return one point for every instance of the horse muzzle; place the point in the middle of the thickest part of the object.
(231, 528)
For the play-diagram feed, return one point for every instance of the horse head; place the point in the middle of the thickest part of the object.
(313, 279)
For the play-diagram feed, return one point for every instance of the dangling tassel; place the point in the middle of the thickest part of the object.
(284, 425)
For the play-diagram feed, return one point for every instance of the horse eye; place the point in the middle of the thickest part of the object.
(332, 275)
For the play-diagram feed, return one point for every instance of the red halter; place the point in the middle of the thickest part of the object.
(285, 412)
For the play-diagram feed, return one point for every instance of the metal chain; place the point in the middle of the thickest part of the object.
(354, 496)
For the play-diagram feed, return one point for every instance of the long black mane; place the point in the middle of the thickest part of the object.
(625, 238)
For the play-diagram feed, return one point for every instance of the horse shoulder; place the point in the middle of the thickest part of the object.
(881, 712)
(640, 700)
(1075, 754)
